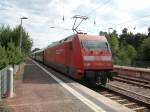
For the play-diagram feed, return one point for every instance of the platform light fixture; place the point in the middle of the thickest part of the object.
(20, 42)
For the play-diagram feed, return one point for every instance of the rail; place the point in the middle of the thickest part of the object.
(131, 94)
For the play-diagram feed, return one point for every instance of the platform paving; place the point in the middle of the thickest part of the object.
(37, 92)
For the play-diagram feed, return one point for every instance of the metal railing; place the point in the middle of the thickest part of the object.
(141, 73)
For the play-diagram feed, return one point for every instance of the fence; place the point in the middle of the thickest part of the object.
(135, 72)
(6, 82)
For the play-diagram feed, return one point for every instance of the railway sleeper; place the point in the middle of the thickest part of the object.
(129, 104)
(108, 95)
(115, 97)
(138, 109)
(121, 100)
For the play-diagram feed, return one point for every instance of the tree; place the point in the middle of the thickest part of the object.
(3, 57)
(10, 52)
(123, 36)
(114, 45)
(122, 57)
(145, 50)
(131, 52)
(125, 31)
(5, 35)
(26, 41)
(129, 48)
(14, 54)
(149, 31)
(138, 39)
(13, 35)
(101, 33)
(133, 39)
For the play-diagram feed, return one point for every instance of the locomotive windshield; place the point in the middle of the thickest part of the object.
(94, 45)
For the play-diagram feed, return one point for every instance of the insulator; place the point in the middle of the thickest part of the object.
(63, 18)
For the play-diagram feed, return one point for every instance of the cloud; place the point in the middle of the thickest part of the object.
(43, 14)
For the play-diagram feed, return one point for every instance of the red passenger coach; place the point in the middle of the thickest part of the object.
(80, 56)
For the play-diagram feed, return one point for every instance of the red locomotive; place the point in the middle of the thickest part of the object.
(80, 56)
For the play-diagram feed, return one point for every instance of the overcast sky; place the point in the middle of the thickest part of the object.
(44, 14)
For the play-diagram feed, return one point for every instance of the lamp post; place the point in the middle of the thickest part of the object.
(20, 42)
(109, 30)
(52, 27)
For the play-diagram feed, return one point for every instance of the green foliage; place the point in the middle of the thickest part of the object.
(149, 31)
(114, 43)
(10, 53)
(3, 57)
(131, 52)
(26, 41)
(129, 38)
(129, 48)
(122, 57)
(13, 35)
(126, 55)
(5, 35)
(145, 50)
(125, 31)
(14, 54)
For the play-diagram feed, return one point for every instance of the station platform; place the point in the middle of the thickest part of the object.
(42, 89)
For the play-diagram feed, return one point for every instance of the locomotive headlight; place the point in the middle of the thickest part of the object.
(79, 71)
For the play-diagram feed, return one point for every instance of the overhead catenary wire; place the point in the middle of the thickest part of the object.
(105, 4)
(137, 19)
(100, 6)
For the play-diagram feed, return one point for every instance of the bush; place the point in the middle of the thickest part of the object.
(145, 50)
(3, 58)
(10, 53)
(14, 53)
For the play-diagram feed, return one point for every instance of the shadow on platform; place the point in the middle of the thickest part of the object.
(35, 75)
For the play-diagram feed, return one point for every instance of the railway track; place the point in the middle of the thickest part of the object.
(126, 97)
(132, 80)
(129, 91)
(130, 99)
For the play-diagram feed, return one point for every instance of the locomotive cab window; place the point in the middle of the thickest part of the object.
(94, 45)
